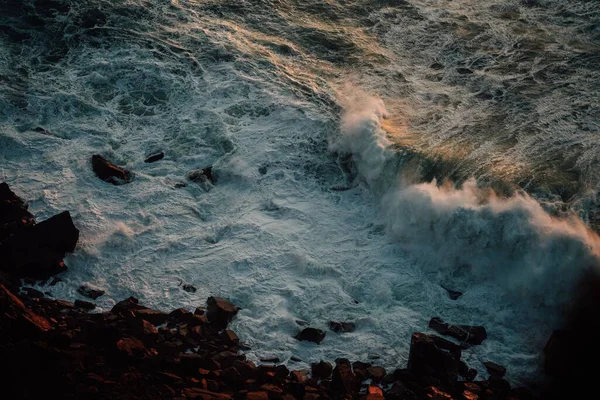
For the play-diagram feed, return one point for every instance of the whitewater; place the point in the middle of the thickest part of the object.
(366, 155)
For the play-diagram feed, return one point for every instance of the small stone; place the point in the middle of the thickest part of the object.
(109, 172)
(341, 327)
(189, 288)
(296, 359)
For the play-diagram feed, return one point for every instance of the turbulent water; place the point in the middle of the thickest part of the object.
(366, 155)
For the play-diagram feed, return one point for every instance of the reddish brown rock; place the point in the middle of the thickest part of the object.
(434, 356)
(321, 370)
(343, 380)
(220, 311)
(261, 395)
(132, 347)
(109, 172)
(465, 333)
(84, 305)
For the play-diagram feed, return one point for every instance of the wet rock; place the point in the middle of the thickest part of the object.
(340, 327)
(295, 359)
(189, 288)
(465, 333)
(13, 213)
(220, 311)
(376, 373)
(302, 323)
(129, 304)
(432, 355)
(154, 157)
(464, 71)
(37, 251)
(89, 292)
(132, 347)
(229, 337)
(311, 335)
(270, 359)
(202, 175)
(495, 370)
(32, 293)
(453, 294)
(154, 317)
(321, 370)
(84, 305)
(109, 172)
(468, 373)
(343, 380)
(55, 281)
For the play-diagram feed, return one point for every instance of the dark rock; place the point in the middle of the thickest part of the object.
(132, 347)
(343, 380)
(321, 370)
(13, 213)
(296, 359)
(311, 335)
(37, 251)
(189, 288)
(202, 175)
(109, 172)
(33, 293)
(453, 294)
(55, 281)
(339, 327)
(229, 337)
(270, 359)
(464, 71)
(302, 323)
(129, 304)
(154, 157)
(89, 292)
(495, 370)
(220, 311)
(468, 373)
(154, 317)
(465, 333)
(92, 18)
(84, 305)
(376, 373)
(432, 355)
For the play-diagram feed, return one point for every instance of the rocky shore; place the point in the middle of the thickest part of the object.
(52, 348)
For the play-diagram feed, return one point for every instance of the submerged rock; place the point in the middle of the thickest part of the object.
(154, 157)
(495, 370)
(189, 288)
(465, 333)
(311, 335)
(202, 175)
(340, 327)
(109, 172)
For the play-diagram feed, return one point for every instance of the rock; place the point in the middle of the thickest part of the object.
(495, 370)
(376, 373)
(468, 373)
(129, 304)
(202, 175)
(89, 292)
(132, 347)
(321, 370)
(92, 18)
(339, 327)
(257, 395)
(432, 355)
(23, 320)
(464, 71)
(189, 288)
(270, 359)
(343, 380)
(84, 305)
(55, 281)
(220, 311)
(154, 157)
(296, 359)
(302, 323)
(109, 172)
(465, 333)
(311, 335)
(229, 337)
(453, 294)
(32, 293)
(37, 251)
(13, 213)
(154, 317)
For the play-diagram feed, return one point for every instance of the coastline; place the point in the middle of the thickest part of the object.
(133, 351)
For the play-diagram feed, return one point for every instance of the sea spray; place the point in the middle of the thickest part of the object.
(468, 234)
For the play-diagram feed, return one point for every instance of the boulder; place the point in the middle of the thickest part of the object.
(132, 347)
(154, 317)
(220, 311)
(343, 380)
(376, 373)
(495, 370)
(37, 251)
(154, 157)
(89, 292)
(13, 213)
(109, 172)
(84, 305)
(340, 327)
(468, 373)
(465, 333)
(311, 335)
(434, 356)
(321, 370)
(189, 288)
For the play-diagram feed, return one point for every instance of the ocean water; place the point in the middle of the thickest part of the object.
(366, 155)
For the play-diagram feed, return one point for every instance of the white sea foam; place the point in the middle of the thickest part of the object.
(269, 234)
